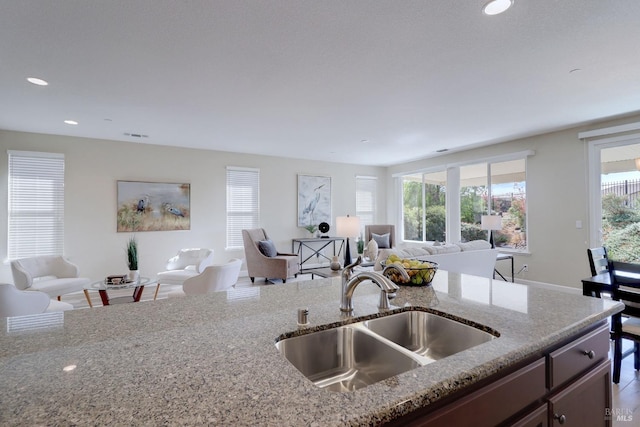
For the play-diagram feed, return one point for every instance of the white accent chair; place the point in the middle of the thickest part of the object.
(186, 264)
(52, 274)
(215, 278)
(15, 302)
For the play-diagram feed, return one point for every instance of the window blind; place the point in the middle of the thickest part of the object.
(243, 203)
(36, 204)
(366, 199)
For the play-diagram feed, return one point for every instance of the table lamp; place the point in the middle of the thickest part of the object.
(491, 222)
(347, 226)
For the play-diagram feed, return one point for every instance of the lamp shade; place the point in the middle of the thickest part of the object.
(638, 163)
(348, 226)
(491, 222)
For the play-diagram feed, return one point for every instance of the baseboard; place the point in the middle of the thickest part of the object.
(560, 288)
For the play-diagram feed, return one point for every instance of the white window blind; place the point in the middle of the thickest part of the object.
(36, 204)
(366, 199)
(243, 203)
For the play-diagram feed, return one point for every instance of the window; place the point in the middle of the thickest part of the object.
(36, 204)
(496, 186)
(424, 202)
(366, 199)
(243, 203)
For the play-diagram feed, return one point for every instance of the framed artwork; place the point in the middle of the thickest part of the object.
(314, 200)
(153, 206)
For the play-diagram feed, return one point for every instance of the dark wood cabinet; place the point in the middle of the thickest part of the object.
(569, 385)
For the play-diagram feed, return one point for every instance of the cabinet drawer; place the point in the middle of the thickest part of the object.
(578, 356)
(494, 403)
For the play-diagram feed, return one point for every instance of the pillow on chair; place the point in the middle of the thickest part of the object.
(383, 240)
(267, 248)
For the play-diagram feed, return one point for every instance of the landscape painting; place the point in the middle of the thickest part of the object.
(153, 206)
(314, 200)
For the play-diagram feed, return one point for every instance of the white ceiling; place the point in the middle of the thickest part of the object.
(312, 79)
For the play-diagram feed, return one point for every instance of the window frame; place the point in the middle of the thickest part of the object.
(35, 204)
(453, 186)
(248, 178)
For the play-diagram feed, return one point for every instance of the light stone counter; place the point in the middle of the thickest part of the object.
(212, 360)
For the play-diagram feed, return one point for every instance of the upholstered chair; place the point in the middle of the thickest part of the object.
(263, 260)
(16, 302)
(51, 274)
(215, 278)
(383, 234)
(186, 264)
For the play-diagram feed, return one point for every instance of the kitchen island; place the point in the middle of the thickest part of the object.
(212, 360)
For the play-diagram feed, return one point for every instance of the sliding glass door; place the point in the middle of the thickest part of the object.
(616, 196)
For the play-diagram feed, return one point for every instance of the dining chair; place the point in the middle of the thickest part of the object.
(598, 260)
(626, 290)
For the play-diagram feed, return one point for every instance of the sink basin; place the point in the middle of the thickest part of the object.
(429, 335)
(345, 358)
(349, 357)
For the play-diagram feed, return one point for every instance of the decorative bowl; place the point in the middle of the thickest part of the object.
(420, 273)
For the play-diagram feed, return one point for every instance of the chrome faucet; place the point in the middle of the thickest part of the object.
(349, 284)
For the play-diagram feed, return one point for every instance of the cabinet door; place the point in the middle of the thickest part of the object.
(585, 401)
(537, 418)
(494, 403)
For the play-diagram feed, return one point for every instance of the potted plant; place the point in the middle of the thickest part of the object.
(311, 229)
(132, 258)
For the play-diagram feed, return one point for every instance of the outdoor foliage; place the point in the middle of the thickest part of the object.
(621, 228)
(435, 218)
(472, 232)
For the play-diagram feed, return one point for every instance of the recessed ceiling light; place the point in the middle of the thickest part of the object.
(37, 81)
(71, 122)
(495, 7)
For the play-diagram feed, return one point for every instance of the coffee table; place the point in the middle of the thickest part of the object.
(324, 272)
(103, 289)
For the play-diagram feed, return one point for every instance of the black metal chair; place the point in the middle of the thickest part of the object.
(627, 291)
(598, 260)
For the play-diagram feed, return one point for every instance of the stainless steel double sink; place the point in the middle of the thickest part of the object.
(355, 355)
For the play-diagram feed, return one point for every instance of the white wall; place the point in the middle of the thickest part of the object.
(93, 167)
(557, 196)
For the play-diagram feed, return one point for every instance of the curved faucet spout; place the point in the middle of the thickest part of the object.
(349, 285)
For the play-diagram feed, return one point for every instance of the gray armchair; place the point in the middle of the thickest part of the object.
(381, 230)
(263, 260)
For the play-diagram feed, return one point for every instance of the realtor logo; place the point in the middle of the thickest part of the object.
(618, 414)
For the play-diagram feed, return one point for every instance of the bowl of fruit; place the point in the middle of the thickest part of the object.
(420, 272)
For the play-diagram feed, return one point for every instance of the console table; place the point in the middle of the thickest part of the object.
(502, 257)
(316, 246)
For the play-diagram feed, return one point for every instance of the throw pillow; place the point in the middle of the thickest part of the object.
(267, 248)
(474, 245)
(382, 240)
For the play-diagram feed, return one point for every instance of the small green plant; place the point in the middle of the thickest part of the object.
(132, 253)
(360, 245)
(311, 228)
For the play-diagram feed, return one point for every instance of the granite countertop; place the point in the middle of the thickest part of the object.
(212, 359)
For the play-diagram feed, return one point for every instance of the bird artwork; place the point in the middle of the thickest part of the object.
(312, 203)
(143, 204)
(174, 211)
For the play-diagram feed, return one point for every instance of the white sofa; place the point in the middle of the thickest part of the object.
(475, 257)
